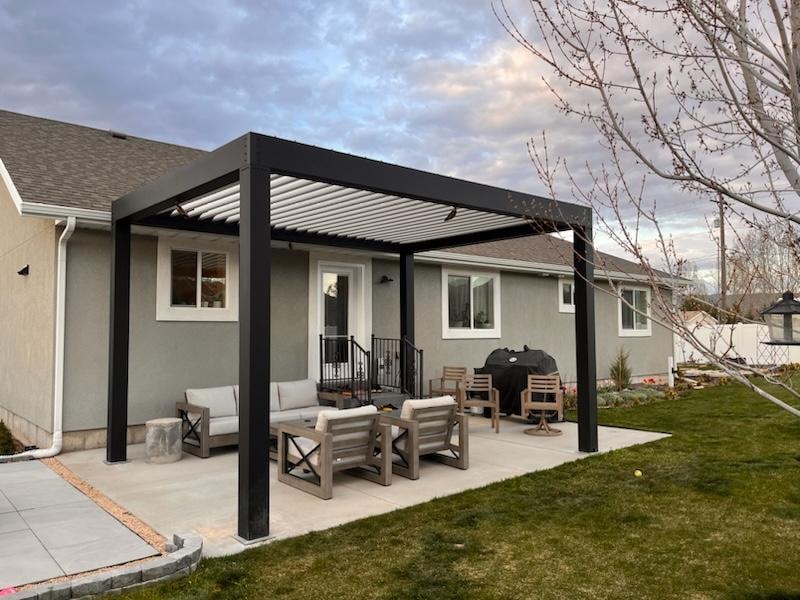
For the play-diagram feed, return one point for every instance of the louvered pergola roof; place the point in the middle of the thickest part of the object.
(330, 198)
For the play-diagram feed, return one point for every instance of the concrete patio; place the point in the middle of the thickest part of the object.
(200, 494)
(49, 529)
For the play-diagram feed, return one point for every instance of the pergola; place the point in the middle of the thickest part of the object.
(262, 188)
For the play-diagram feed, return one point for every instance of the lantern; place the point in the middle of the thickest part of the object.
(783, 320)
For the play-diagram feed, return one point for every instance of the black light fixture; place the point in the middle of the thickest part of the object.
(783, 320)
(24, 271)
(452, 214)
(385, 279)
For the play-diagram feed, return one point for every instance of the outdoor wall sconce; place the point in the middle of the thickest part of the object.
(451, 215)
(24, 271)
(783, 320)
(385, 279)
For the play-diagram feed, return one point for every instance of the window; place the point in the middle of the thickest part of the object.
(566, 296)
(470, 305)
(634, 311)
(196, 283)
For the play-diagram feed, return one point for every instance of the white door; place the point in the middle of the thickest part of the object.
(339, 307)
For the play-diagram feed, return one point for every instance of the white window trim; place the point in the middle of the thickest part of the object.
(164, 309)
(634, 332)
(470, 334)
(565, 308)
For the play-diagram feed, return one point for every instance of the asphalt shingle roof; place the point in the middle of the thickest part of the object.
(51, 162)
(63, 164)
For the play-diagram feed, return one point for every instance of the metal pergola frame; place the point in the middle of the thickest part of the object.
(251, 160)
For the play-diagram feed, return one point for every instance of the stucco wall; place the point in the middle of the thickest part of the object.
(529, 315)
(27, 317)
(166, 357)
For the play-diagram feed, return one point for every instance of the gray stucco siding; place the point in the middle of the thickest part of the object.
(27, 318)
(166, 357)
(529, 315)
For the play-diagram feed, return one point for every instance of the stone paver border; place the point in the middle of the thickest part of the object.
(182, 559)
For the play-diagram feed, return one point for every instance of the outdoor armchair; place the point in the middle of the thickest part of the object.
(542, 386)
(447, 384)
(351, 440)
(471, 393)
(427, 428)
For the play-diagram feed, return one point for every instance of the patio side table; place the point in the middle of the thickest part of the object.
(162, 440)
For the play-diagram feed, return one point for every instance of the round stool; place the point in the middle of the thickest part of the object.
(162, 440)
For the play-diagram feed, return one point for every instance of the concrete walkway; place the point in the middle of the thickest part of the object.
(49, 529)
(200, 495)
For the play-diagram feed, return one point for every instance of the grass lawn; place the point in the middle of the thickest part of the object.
(715, 515)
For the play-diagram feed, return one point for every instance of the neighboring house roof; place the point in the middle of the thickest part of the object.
(549, 250)
(82, 168)
(62, 164)
(697, 316)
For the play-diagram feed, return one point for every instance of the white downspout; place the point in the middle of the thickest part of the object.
(58, 359)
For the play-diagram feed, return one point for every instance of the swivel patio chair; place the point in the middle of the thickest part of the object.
(351, 440)
(544, 386)
(471, 394)
(427, 428)
(447, 384)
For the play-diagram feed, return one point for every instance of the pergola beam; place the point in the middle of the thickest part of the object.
(254, 353)
(119, 342)
(585, 359)
(203, 175)
(320, 164)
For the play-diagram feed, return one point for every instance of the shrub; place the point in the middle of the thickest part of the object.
(6, 441)
(620, 371)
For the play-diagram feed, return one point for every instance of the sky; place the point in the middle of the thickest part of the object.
(438, 85)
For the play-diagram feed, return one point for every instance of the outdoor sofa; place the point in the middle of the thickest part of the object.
(210, 416)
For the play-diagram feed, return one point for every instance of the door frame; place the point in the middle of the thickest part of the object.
(360, 297)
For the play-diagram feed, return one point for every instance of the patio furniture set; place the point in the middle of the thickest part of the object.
(315, 437)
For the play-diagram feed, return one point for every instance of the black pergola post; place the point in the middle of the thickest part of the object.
(118, 342)
(254, 356)
(406, 317)
(584, 339)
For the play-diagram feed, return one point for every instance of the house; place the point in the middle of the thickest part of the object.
(698, 318)
(57, 183)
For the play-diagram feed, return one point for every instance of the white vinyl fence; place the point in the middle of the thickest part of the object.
(741, 341)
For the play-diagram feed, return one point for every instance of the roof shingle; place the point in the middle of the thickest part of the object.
(70, 165)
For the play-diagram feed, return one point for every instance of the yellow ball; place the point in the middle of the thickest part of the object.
(637, 473)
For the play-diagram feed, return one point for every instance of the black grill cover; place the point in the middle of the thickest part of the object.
(510, 369)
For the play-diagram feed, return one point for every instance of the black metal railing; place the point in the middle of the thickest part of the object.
(344, 367)
(391, 357)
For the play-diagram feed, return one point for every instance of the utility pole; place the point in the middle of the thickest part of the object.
(723, 283)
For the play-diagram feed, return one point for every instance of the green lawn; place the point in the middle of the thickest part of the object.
(715, 515)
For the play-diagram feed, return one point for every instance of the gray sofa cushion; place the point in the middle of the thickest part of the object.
(223, 426)
(274, 397)
(298, 394)
(281, 416)
(220, 401)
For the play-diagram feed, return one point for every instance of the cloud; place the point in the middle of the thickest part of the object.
(433, 85)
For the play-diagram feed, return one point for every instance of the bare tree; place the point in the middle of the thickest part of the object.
(702, 94)
(764, 261)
